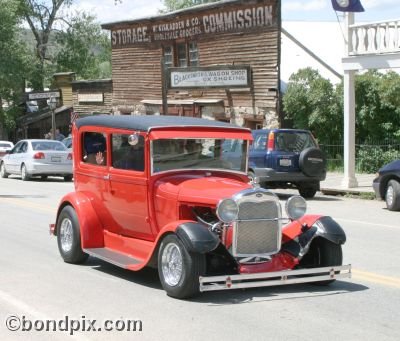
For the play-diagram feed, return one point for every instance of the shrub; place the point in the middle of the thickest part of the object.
(370, 158)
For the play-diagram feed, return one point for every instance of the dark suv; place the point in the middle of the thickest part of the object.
(287, 158)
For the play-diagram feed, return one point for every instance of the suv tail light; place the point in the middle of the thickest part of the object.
(271, 141)
(39, 155)
(69, 157)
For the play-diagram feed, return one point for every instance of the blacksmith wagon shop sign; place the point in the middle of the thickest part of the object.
(226, 17)
(209, 77)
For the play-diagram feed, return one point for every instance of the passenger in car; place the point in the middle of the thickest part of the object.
(95, 148)
(133, 158)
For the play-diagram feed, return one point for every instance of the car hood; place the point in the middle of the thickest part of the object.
(208, 190)
(392, 166)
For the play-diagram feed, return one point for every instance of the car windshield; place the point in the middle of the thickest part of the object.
(171, 154)
(5, 145)
(48, 145)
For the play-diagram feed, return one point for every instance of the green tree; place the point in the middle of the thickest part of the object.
(13, 63)
(41, 15)
(377, 105)
(312, 102)
(84, 48)
(173, 5)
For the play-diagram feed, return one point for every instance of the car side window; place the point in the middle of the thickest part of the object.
(24, 148)
(94, 148)
(259, 142)
(126, 155)
(16, 148)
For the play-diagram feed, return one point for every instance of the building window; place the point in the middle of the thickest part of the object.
(169, 56)
(193, 54)
(182, 60)
(181, 55)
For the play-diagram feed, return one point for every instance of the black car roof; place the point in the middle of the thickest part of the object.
(259, 131)
(149, 122)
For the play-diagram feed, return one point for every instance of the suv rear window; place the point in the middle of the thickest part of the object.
(293, 141)
(285, 141)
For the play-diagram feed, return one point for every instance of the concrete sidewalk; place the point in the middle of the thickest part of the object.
(333, 184)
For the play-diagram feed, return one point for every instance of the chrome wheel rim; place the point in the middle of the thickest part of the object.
(66, 235)
(390, 195)
(172, 264)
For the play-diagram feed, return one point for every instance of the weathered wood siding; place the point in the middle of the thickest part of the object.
(103, 87)
(136, 70)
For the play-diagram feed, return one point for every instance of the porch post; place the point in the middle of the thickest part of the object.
(349, 179)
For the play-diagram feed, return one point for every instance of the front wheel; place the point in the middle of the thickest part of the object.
(179, 269)
(69, 237)
(323, 253)
(392, 196)
(3, 172)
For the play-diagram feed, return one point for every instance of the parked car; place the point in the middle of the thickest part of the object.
(287, 158)
(387, 185)
(5, 146)
(159, 192)
(42, 158)
(67, 142)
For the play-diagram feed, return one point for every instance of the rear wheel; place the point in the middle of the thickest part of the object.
(69, 237)
(392, 196)
(307, 191)
(323, 253)
(68, 178)
(25, 176)
(3, 172)
(251, 176)
(179, 269)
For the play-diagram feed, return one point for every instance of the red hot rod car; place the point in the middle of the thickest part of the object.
(168, 192)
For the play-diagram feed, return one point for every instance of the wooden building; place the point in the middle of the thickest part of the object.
(92, 96)
(222, 34)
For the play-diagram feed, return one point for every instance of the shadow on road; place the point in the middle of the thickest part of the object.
(285, 196)
(278, 293)
(149, 278)
(22, 196)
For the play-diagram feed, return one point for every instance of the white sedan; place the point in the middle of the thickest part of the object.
(5, 146)
(37, 158)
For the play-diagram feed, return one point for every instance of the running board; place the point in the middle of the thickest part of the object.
(267, 279)
(117, 258)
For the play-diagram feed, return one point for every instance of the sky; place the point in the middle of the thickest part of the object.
(292, 10)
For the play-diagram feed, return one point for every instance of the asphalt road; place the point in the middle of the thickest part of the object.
(36, 285)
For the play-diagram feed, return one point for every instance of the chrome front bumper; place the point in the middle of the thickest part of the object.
(267, 279)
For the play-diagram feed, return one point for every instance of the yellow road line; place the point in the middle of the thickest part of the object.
(28, 204)
(375, 278)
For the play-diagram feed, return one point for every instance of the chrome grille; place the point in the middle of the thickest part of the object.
(258, 228)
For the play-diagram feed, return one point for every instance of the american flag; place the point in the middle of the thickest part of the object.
(74, 116)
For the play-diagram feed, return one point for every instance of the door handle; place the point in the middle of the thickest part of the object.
(106, 177)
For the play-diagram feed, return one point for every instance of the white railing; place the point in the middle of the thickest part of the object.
(374, 38)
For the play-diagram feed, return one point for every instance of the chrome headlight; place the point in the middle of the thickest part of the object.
(296, 207)
(227, 210)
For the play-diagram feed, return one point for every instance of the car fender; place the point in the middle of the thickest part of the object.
(195, 236)
(329, 229)
(91, 229)
(298, 235)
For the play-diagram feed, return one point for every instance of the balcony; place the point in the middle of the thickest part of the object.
(373, 45)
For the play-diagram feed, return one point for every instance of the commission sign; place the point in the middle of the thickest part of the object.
(209, 77)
